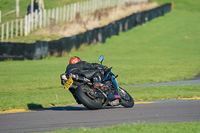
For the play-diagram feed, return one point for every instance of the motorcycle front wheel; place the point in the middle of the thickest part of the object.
(85, 99)
(126, 99)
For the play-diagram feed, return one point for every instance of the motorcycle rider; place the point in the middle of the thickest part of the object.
(77, 66)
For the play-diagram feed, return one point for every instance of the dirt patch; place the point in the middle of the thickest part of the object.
(98, 19)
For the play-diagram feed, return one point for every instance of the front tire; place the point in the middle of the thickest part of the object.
(126, 99)
(86, 100)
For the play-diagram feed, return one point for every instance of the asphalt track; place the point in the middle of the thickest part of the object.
(177, 110)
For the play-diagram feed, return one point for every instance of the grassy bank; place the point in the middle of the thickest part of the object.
(83, 23)
(186, 127)
(164, 49)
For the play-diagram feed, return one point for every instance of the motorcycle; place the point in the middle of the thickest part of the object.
(93, 98)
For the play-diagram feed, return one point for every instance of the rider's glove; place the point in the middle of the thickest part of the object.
(105, 69)
(63, 78)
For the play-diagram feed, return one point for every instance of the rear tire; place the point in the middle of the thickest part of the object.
(126, 99)
(86, 100)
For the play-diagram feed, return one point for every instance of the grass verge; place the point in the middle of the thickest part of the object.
(185, 127)
(164, 92)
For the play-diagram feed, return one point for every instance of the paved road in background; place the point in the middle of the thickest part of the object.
(79, 116)
(194, 81)
(186, 82)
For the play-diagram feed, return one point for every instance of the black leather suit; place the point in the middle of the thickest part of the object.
(83, 65)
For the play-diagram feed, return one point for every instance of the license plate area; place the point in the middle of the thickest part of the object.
(68, 83)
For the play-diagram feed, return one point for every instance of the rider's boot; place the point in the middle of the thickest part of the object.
(99, 85)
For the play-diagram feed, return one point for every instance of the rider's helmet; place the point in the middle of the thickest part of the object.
(74, 60)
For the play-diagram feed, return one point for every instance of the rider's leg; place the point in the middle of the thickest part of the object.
(97, 81)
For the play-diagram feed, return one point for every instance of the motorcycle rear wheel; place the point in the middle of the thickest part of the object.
(86, 100)
(126, 99)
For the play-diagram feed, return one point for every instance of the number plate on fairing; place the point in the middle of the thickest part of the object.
(68, 83)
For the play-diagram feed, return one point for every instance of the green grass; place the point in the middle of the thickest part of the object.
(164, 92)
(185, 127)
(164, 49)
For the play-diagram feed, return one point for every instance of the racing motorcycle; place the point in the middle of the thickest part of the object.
(93, 98)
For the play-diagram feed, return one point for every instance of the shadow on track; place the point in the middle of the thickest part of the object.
(39, 107)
